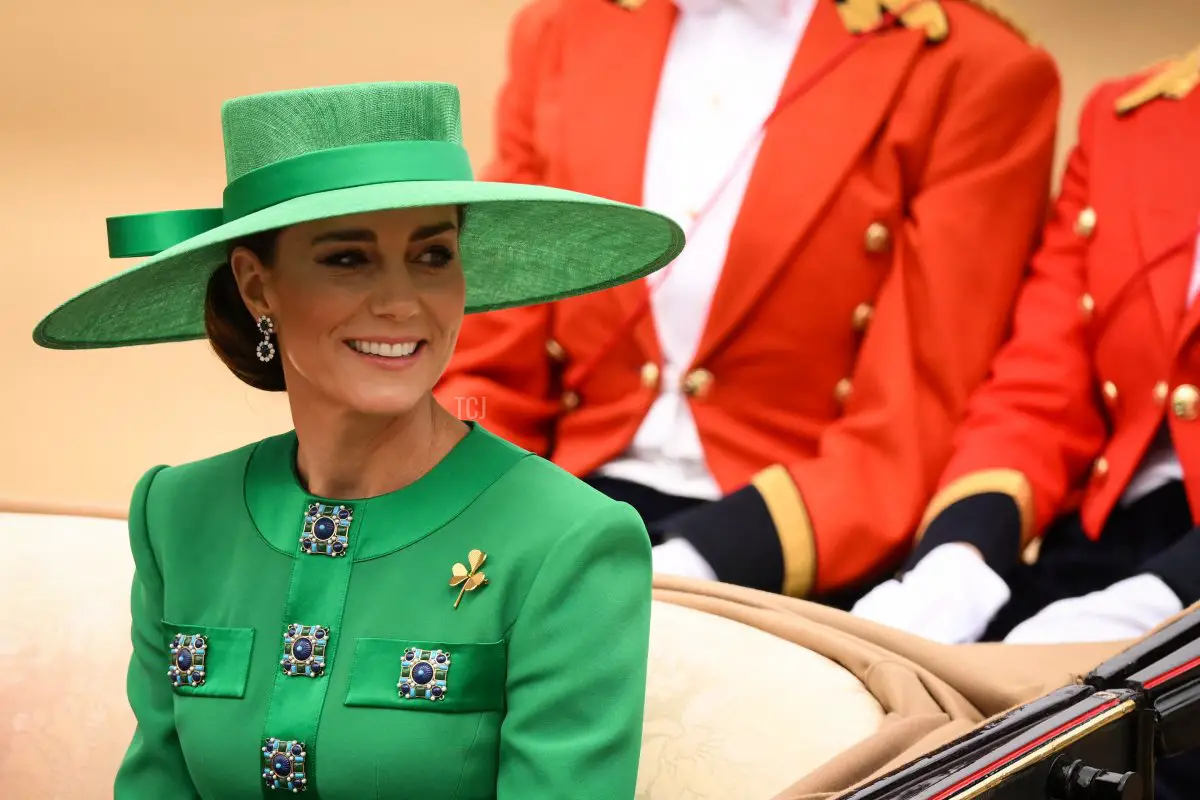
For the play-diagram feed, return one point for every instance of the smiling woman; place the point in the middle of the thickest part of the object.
(386, 601)
(234, 335)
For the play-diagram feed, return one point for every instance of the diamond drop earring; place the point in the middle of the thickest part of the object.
(266, 349)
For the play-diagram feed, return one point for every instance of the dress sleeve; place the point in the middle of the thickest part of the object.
(578, 652)
(153, 767)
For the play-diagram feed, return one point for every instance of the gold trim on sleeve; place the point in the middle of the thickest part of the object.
(1006, 481)
(1174, 79)
(793, 527)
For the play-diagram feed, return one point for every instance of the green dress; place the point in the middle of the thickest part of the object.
(285, 642)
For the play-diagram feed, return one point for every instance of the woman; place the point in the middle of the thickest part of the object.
(385, 602)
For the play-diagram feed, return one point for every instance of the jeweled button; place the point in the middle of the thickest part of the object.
(302, 649)
(323, 528)
(422, 673)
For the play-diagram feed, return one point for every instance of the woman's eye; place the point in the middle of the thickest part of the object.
(436, 256)
(345, 258)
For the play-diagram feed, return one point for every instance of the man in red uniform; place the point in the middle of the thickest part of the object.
(781, 414)
(1087, 435)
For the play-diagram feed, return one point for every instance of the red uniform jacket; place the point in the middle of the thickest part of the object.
(1103, 351)
(871, 272)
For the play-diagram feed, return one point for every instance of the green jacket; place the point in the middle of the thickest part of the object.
(532, 688)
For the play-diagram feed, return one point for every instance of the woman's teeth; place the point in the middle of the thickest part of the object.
(402, 350)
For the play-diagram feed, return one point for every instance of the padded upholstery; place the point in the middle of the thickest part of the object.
(736, 712)
(730, 708)
(63, 655)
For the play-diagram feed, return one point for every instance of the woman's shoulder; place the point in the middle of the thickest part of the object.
(552, 502)
(230, 464)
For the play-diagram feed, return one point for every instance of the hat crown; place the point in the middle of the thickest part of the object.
(267, 128)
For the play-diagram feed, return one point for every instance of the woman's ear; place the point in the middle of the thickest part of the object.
(250, 274)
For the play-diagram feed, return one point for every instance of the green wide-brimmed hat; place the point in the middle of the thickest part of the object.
(308, 154)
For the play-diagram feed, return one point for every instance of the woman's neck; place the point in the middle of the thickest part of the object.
(345, 455)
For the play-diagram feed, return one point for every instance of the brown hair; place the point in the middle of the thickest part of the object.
(232, 330)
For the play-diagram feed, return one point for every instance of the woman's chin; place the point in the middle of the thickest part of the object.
(384, 401)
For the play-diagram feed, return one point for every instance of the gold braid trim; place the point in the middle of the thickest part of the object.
(1006, 481)
(927, 15)
(793, 526)
(1174, 79)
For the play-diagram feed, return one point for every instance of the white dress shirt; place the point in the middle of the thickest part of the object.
(723, 73)
(1161, 465)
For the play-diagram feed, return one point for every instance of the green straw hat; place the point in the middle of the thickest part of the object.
(310, 154)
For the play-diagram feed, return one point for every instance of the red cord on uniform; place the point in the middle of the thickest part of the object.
(1122, 294)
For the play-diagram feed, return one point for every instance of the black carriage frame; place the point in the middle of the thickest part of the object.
(1095, 740)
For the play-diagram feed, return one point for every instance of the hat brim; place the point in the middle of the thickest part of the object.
(522, 245)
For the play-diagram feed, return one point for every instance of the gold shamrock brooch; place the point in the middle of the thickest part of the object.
(469, 579)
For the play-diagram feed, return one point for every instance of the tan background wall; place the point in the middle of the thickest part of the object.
(109, 108)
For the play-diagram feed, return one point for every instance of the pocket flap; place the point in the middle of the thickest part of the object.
(207, 661)
(428, 676)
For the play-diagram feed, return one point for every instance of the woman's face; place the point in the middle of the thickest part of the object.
(366, 308)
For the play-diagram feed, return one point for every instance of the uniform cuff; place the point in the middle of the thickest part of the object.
(990, 522)
(735, 535)
(1176, 567)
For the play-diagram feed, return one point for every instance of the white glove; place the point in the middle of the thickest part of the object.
(1126, 610)
(678, 557)
(950, 596)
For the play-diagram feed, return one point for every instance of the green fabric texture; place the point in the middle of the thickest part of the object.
(545, 688)
(309, 154)
(475, 679)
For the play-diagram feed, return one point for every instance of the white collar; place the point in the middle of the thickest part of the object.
(763, 10)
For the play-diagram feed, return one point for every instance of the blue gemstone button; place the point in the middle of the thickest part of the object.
(188, 654)
(302, 649)
(324, 528)
(284, 766)
(422, 673)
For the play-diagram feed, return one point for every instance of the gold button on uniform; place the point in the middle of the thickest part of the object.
(842, 390)
(1160, 392)
(1110, 392)
(555, 351)
(1087, 304)
(877, 237)
(570, 401)
(696, 382)
(862, 316)
(650, 375)
(1185, 401)
(1085, 223)
(1100, 467)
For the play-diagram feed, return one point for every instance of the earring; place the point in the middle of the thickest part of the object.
(266, 349)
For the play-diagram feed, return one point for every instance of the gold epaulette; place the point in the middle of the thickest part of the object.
(1174, 79)
(863, 15)
(628, 5)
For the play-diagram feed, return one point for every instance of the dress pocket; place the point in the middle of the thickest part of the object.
(206, 661)
(441, 677)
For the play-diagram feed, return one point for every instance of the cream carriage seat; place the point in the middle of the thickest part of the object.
(750, 696)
